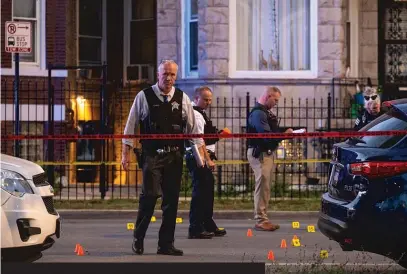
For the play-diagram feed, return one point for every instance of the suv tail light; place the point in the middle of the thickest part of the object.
(373, 170)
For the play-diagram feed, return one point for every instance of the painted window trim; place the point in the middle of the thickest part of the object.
(185, 14)
(39, 68)
(303, 74)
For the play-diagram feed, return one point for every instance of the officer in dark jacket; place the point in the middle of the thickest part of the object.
(201, 223)
(371, 112)
(160, 109)
(261, 154)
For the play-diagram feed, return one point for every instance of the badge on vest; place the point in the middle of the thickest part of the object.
(174, 105)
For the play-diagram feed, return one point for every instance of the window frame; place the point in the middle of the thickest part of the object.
(39, 69)
(127, 19)
(185, 34)
(299, 74)
(38, 34)
(103, 37)
(353, 19)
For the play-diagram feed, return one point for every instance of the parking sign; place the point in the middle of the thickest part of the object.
(18, 37)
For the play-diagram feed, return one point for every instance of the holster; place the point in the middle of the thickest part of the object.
(139, 156)
(256, 152)
(212, 155)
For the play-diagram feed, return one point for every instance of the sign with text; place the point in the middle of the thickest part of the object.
(18, 37)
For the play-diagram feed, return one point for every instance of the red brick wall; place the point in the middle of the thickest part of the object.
(34, 90)
(55, 31)
(60, 146)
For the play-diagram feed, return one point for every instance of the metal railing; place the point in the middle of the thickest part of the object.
(82, 171)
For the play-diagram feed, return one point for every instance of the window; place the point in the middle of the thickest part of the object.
(91, 34)
(29, 11)
(389, 121)
(190, 37)
(273, 38)
(140, 40)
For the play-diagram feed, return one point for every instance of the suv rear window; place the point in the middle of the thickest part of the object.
(388, 121)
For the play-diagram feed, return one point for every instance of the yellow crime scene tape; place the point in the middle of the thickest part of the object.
(226, 162)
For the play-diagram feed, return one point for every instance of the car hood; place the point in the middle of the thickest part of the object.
(21, 166)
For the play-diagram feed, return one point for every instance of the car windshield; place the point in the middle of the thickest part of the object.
(388, 121)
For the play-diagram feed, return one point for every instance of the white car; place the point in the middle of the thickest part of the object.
(28, 217)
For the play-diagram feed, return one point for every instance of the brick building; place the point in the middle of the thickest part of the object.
(234, 46)
(48, 46)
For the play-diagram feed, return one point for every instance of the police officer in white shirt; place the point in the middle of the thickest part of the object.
(160, 109)
(202, 225)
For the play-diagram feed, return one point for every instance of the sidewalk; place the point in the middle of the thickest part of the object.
(218, 214)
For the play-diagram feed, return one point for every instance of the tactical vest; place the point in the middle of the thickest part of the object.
(365, 118)
(163, 118)
(272, 144)
(209, 128)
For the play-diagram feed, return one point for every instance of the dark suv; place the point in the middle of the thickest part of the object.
(365, 207)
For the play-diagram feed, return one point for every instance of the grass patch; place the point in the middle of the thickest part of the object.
(275, 205)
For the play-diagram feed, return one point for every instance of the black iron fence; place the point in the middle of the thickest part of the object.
(90, 169)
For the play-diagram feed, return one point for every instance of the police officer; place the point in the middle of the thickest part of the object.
(371, 112)
(201, 223)
(160, 109)
(260, 154)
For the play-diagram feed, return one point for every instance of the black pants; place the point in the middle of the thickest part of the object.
(161, 178)
(201, 211)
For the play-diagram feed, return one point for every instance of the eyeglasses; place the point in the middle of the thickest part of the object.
(373, 97)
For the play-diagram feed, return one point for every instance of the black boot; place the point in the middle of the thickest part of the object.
(202, 235)
(219, 232)
(171, 250)
(138, 247)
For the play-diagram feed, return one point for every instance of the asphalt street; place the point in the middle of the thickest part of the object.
(109, 240)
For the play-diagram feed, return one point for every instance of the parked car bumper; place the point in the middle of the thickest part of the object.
(337, 219)
(27, 226)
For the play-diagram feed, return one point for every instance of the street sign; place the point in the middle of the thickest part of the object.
(18, 37)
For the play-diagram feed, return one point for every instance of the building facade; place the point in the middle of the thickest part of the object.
(234, 46)
(48, 46)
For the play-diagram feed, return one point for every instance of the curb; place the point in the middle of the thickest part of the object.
(220, 214)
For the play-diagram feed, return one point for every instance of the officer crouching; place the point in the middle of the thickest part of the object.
(201, 223)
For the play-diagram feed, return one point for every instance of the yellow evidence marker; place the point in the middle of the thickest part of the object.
(130, 226)
(178, 220)
(296, 225)
(323, 254)
(153, 219)
(296, 242)
(311, 228)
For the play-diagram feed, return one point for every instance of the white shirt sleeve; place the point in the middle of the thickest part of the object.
(188, 114)
(200, 126)
(138, 111)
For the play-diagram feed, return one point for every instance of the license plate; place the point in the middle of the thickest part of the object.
(334, 176)
(325, 207)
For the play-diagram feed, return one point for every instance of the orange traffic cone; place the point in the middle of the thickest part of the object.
(249, 233)
(270, 256)
(295, 237)
(77, 248)
(80, 251)
(283, 243)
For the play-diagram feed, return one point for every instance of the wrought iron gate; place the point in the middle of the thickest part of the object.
(392, 59)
